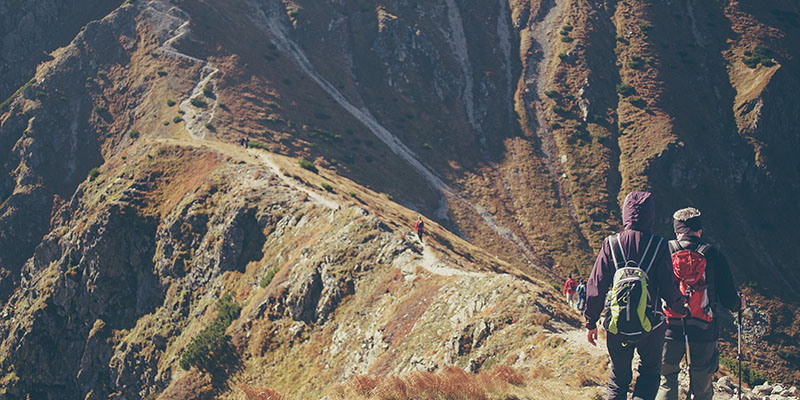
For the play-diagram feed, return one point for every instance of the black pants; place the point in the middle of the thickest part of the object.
(621, 374)
(419, 235)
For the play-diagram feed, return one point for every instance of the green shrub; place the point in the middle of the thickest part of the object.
(555, 125)
(93, 173)
(308, 165)
(265, 281)
(181, 112)
(177, 119)
(161, 73)
(208, 92)
(352, 194)
(559, 110)
(625, 90)
(133, 134)
(170, 102)
(166, 123)
(638, 102)
(257, 145)
(206, 348)
(600, 136)
(635, 62)
(749, 375)
(567, 28)
(566, 39)
(759, 55)
(327, 186)
(552, 94)
(271, 104)
(100, 109)
(197, 102)
(563, 56)
(209, 126)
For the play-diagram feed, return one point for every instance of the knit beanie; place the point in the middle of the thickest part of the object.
(687, 220)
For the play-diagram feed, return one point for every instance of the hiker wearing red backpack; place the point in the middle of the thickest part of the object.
(419, 226)
(635, 265)
(570, 287)
(703, 275)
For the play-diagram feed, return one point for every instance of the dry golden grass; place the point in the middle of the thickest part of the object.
(260, 393)
(449, 383)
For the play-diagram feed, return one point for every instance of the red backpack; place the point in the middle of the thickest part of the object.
(689, 269)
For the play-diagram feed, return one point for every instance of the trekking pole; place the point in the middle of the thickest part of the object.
(739, 351)
(689, 395)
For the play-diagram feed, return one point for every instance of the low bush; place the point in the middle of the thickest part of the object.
(197, 102)
(170, 102)
(566, 39)
(635, 62)
(93, 173)
(208, 92)
(100, 109)
(625, 90)
(133, 134)
(205, 348)
(177, 119)
(552, 94)
(327, 187)
(759, 55)
(750, 376)
(267, 279)
(161, 73)
(308, 165)
(638, 102)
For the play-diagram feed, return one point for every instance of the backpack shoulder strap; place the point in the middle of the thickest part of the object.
(653, 257)
(674, 246)
(703, 249)
(616, 250)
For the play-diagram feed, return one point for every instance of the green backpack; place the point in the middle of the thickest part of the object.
(630, 310)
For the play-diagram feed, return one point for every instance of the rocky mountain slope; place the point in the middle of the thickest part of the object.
(515, 128)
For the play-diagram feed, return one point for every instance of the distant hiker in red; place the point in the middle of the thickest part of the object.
(569, 290)
(420, 228)
(635, 264)
(702, 274)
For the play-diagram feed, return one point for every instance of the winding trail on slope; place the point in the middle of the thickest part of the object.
(272, 26)
(433, 265)
(316, 197)
(195, 118)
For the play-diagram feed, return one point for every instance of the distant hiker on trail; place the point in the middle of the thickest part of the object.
(702, 274)
(580, 292)
(637, 264)
(420, 228)
(569, 290)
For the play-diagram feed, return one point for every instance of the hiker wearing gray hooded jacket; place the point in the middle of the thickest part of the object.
(638, 216)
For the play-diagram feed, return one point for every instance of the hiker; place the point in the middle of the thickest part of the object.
(637, 264)
(569, 290)
(246, 142)
(420, 228)
(580, 292)
(703, 274)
